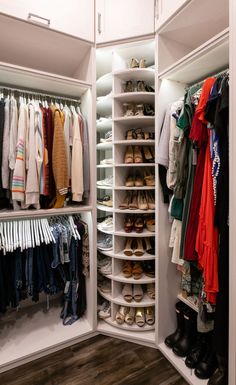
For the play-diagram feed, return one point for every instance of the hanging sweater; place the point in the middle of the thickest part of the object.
(13, 134)
(77, 180)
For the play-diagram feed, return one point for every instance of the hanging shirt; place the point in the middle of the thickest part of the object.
(6, 146)
(77, 179)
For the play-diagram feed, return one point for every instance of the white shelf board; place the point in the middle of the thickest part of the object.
(146, 301)
(104, 165)
(134, 188)
(178, 363)
(104, 146)
(28, 78)
(106, 296)
(104, 84)
(135, 74)
(135, 142)
(104, 187)
(136, 97)
(130, 328)
(105, 208)
(104, 125)
(187, 302)
(145, 233)
(127, 211)
(108, 253)
(9, 214)
(104, 105)
(28, 334)
(144, 257)
(135, 165)
(105, 231)
(207, 59)
(120, 278)
(135, 121)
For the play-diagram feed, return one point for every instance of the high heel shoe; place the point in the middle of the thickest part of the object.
(125, 204)
(142, 63)
(130, 316)
(138, 181)
(149, 178)
(120, 315)
(139, 110)
(148, 156)
(138, 250)
(134, 63)
(150, 200)
(139, 134)
(129, 181)
(128, 224)
(138, 225)
(148, 246)
(130, 135)
(138, 157)
(140, 317)
(133, 205)
(142, 201)
(137, 270)
(129, 155)
(128, 247)
(141, 86)
(129, 86)
(128, 109)
(149, 315)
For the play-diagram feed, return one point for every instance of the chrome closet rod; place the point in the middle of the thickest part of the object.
(223, 72)
(31, 92)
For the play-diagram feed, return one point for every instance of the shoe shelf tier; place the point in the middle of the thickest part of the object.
(120, 278)
(104, 124)
(126, 211)
(145, 302)
(135, 165)
(122, 188)
(104, 146)
(104, 187)
(136, 74)
(122, 256)
(135, 97)
(105, 231)
(105, 208)
(135, 121)
(145, 233)
(105, 166)
(133, 327)
(135, 142)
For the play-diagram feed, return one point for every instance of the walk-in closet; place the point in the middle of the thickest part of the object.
(117, 189)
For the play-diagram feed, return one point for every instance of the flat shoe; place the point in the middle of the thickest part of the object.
(127, 269)
(120, 315)
(139, 251)
(137, 293)
(139, 317)
(130, 316)
(128, 247)
(127, 292)
(137, 270)
(149, 315)
(151, 290)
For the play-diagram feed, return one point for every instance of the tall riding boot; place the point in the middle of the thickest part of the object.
(197, 351)
(220, 376)
(184, 344)
(171, 340)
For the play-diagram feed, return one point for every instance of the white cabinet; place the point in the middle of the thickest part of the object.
(165, 8)
(74, 17)
(123, 19)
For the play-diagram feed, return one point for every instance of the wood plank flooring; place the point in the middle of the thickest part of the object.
(98, 361)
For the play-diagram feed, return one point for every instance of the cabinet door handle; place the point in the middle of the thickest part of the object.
(99, 23)
(38, 19)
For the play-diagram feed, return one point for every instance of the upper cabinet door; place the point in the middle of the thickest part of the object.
(74, 17)
(123, 19)
(165, 9)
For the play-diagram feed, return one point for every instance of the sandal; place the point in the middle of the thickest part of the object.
(142, 201)
(151, 290)
(134, 201)
(137, 293)
(149, 315)
(148, 156)
(139, 225)
(139, 110)
(139, 317)
(149, 249)
(138, 181)
(120, 315)
(129, 318)
(128, 224)
(128, 109)
(129, 181)
(129, 155)
(130, 135)
(129, 86)
(149, 179)
(139, 251)
(138, 157)
(105, 201)
(139, 134)
(128, 247)
(141, 86)
(134, 63)
(127, 292)
(142, 63)
(137, 270)
(127, 269)
(150, 224)
(150, 200)
(126, 202)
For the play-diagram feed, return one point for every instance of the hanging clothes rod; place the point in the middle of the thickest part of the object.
(42, 94)
(199, 83)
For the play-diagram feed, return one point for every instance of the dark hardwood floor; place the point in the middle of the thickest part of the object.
(98, 361)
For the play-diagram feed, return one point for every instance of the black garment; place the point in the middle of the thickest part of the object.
(162, 177)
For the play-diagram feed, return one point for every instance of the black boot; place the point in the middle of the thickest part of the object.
(206, 367)
(197, 351)
(171, 340)
(184, 344)
(220, 376)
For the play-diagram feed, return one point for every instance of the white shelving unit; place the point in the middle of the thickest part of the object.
(120, 124)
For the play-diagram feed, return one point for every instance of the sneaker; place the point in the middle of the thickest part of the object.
(107, 161)
(106, 182)
(106, 224)
(104, 285)
(104, 310)
(108, 137)
(105, 201)
(104, 242)
(102, 261)
(106, 269)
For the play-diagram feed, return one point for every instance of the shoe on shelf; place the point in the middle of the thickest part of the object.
(137, 293)
(142, 63)
(129, 181)
(150, 224)
(139, 224)
(126, 202)
(134, 63)
(149, 315)
(107, 182)
(133, 205)
(148, 155)
(130, 135)
(106, 269)
(149, 268)
(139, 134)
(148, 110)
(172, 339)
(137, 270)
(128, 109)
(138, 181)
(102, 260)
(150, 200)
(104, 242)
(129, 155)
(141, 86)
(130, 316)
(149, 88)
(104, 310)
(128, 247)
(129, 87)
(127, 292)
(138, 157)
(121, 313)
(104, 285)
(106, 224)
(107, 161)
(107, 138)
(127, 269)
(184, 344)
(142, 201)
(128, 223)
(149, 179)
(148, 246)
(138, 250)
(139, 110)
(140, 317)
(105, 201)
(151, 290)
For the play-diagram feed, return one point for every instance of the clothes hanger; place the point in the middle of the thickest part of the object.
(11, 236)
(37, 240)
